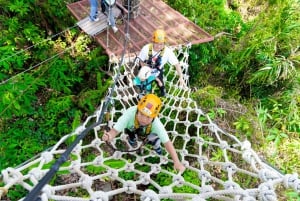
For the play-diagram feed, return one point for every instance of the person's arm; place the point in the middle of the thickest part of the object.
(179, 71)
(142, 63)
(142, 56)
(171, 150)
(110, 135)
(173, 60)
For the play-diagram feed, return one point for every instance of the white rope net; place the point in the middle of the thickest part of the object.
(218, 165)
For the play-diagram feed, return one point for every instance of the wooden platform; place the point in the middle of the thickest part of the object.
(153, 14)
(94, 28)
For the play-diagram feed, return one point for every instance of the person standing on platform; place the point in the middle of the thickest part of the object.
(94, 11)
(106, 8)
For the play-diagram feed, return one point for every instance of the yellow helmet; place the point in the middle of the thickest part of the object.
(150, 105)
(159, 36)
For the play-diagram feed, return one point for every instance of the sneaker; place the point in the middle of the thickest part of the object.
(115, 29)
(94, 19)
(162, 92)
(140, 151)
(132, 143)
(158, 150)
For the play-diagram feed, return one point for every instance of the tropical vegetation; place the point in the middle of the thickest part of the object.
(50, 77)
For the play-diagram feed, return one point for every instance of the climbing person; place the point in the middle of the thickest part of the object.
(142, 121)
(156, 55)
(144, 80)
(107, 9)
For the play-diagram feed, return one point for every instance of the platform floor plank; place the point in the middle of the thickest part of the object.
(152, 14)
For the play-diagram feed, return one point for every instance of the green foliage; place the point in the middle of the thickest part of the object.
(18, 97)
(117, 164)
(266, 56)
(207, 96)
(217, 18)
(46, 83)
(19, 7)
(254, 58)
(293, 196)
(244, 126)
(279, 116)
(16, 137)
(17, 193)
(286, 156)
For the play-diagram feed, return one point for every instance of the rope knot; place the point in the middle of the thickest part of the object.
(292, 181)
(79, 129)
(130, 186)
(230, 185)
(11, 175)
(246, 145)
(155, 169)
(202, 160)
(204, 175)
(145, 179)
(98, 160)
(247, 155)
(129, 167)
(117, 155)
(230, 167)
(95, 143)
(36, 173)
(178, 179)
(47, 156)
(200, 141)
(86, 181)
(267, 175)
(206, 189)
(266, 192)
(224, 145)
(99, 196)
(166, 190)
(48, 190)
(149, 195)
(75, 166)
(113, 173)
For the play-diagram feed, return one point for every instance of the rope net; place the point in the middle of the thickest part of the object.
(218, 165)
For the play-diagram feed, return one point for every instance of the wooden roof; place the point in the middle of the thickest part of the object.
(153, 14)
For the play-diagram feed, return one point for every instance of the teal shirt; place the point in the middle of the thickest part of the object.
(127, 121)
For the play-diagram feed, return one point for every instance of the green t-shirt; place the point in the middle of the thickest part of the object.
(127, 121)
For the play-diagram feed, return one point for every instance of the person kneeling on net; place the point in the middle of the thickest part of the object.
(144, 80)
(143, 117)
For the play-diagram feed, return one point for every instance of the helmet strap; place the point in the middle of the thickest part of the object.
(137, 125)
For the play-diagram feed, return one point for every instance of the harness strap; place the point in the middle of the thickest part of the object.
(137, 126)
(150, 56)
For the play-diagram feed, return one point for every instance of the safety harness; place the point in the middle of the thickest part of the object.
(138, 131)
(157, 62)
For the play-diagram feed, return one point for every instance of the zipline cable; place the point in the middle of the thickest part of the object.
(23, 50)
(5, 81)
(33, 194)
(46, 60)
